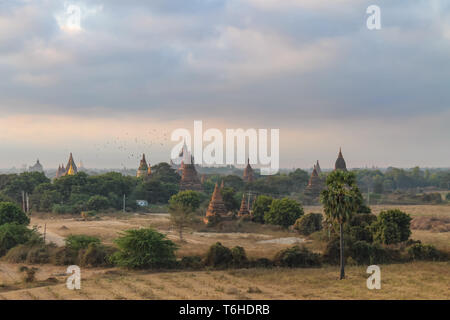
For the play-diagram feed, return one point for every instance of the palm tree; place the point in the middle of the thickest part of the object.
(340, 201)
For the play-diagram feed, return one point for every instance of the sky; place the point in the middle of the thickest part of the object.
(118, 83)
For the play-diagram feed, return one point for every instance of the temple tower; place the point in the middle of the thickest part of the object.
(143, 168)
(248, 173)
(340, 162)
(243, 211)
(71, 168)
(216, 208)
(189, 178)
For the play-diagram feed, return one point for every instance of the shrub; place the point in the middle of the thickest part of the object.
(297, 257)
(97, 203)
(261, 263)
(11, 235)
(309, 223)
(218, 256)
(283, 212)
(81, 241)
(331, 253)
(11, 213)
(420, 251)
(447, 196)
(359, 233)
(64, 256)
(144, 248)
(260, 207)
(95, 255)
(239, 257)
(392, 226)
(191, 262)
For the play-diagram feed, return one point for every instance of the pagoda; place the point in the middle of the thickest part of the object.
(243, 211)
(71, 167)
(315, 186)
(144, 170)
(318, 169)
(340, 162)
(248, 173)
(189, 177)
(37, 167)
(216, 208)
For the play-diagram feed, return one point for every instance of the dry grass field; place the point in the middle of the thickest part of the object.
(424, 280)
(419, 280)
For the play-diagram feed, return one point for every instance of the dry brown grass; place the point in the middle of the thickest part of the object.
(424, 280)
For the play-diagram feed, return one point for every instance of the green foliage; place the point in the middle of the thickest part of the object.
(13, 234)
(97, 203)
(239, 257)
(297, 257)
(191, 262)
(11, 213)
(261, 207)
(392, 226)
(229, 198)
(447, 196)
(95, 255)
(218, 256)
(283, 212)
(144, 248)
(188, 200)
(80, 241)
(420, 251)
(309, 223)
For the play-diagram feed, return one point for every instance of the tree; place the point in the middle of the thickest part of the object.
(12, 234)
(182, 207)
(309, 223)
(97, 203)
(340, 201)
(229, 198)
(144, 248)
(261, 207)
(283, 212)
(392, 226)
(11, 213)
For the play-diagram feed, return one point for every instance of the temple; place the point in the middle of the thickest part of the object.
(189, 178)
(216, 208)
(314, 187)
(144, 169)
(318, 169)
(61, 171)
(340, 162)
(243, 211)
(71, 167)
(248, 173)
(37, 167)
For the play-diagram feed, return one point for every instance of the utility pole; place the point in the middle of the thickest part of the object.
(23, 201)
(45, 231)
(124, 198)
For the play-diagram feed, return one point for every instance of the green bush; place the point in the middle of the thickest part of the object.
(97, 203)
(447, 196)
(309, 223)
(95, 255)
(359, 233)
(260, 207)
(144, 248)
(80, 241)
(392, 226)
(239, 257)
(424, 252)
(11, 235)
(218, 256)
(261, 263)
(331, 253)
(64, 256)
(191, 262)
(297, 257)
(11, 213)
(283, 212)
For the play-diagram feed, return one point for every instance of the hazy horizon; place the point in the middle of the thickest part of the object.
(116, 86)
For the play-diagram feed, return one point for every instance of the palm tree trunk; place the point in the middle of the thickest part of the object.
(341, 231)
